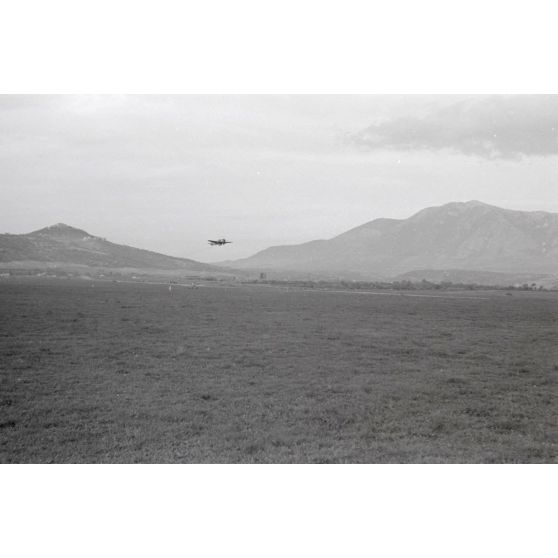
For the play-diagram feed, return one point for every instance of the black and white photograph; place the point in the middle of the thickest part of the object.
(278, 279)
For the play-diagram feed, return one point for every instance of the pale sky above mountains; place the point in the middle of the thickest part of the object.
(167, 173)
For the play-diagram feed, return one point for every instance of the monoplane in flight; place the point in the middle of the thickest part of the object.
(219, 242)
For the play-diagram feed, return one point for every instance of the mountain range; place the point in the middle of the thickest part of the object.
(459, 242)
(471, 236)
(62, 245)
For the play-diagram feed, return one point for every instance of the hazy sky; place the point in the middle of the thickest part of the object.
(167, 173)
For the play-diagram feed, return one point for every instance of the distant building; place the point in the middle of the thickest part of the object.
(263, 276)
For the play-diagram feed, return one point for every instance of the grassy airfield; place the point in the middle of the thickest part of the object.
(94, 371)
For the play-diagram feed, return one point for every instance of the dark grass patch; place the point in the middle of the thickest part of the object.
(254, 375)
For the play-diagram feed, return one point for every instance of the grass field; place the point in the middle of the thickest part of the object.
(118, 372)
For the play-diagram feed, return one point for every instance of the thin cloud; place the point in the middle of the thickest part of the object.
(495, 127)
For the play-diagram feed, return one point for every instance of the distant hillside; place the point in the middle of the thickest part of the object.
(458, 236)
(62, 244)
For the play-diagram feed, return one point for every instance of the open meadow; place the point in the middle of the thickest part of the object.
(121, 372)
